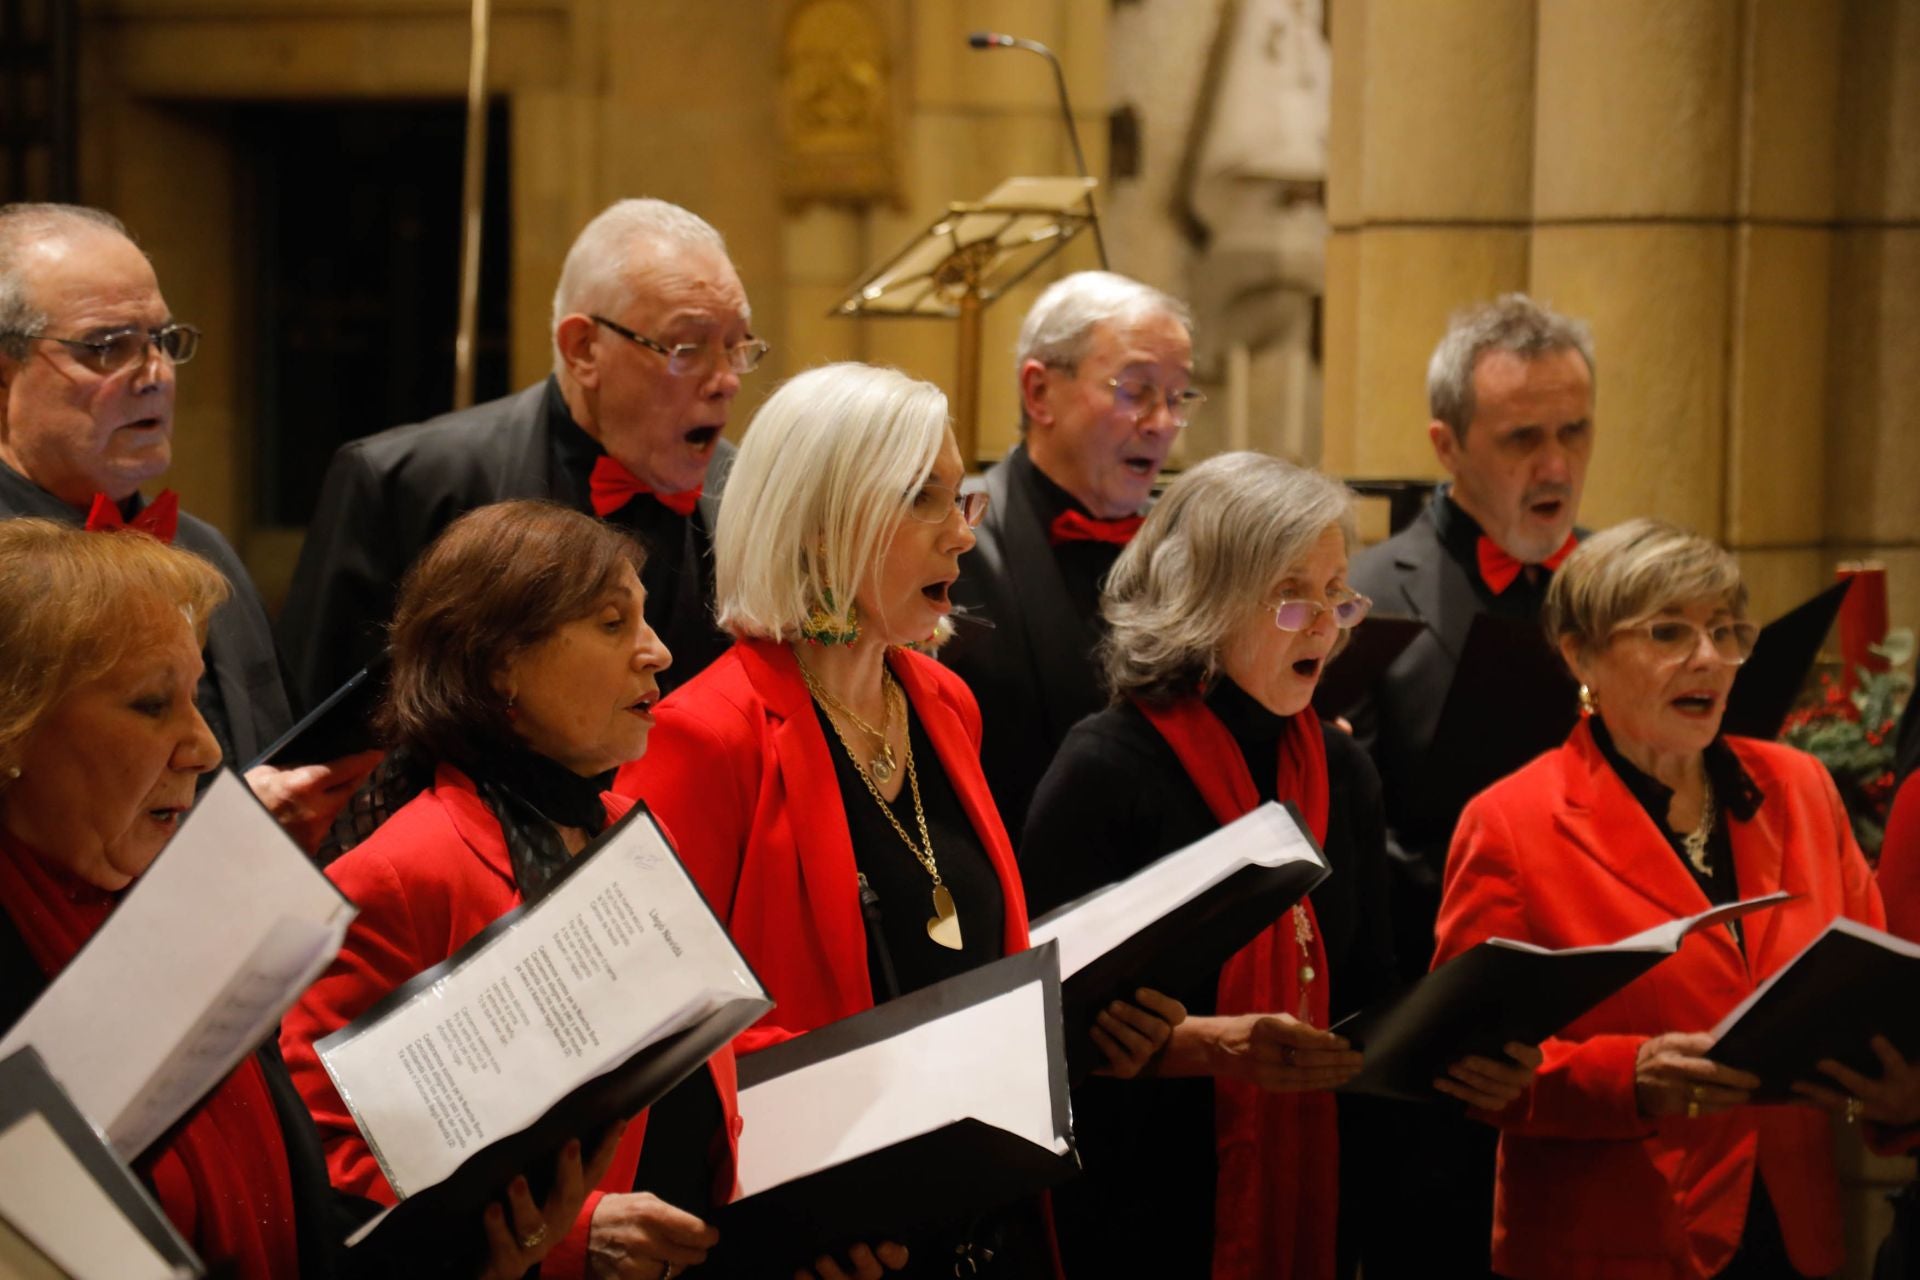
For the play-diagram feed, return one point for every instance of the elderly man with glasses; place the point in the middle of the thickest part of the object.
(1104, 364)
(88, 351)
(651, 336)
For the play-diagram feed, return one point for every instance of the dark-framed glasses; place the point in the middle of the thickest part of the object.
(694, 357)
(112, 350)
(1139, 397)
(932, 503)
(1677, 639)
(1347, 607)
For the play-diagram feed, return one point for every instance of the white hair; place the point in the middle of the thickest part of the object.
(23, 225)
(596, 276)
(820, 482)
(1059, 327)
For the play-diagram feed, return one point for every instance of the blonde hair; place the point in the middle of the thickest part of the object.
(820, 482)
(1632, 570)
(71, 605)
(1208, 555)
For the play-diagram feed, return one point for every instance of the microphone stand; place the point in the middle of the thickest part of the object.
(996, 40)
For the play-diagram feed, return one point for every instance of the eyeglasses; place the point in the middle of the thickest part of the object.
(1297, 615)
(933, 503)
(1139, 398)
(118, 349)
(693, 357)
(1676, 639)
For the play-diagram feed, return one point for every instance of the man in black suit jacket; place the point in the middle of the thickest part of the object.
(87, 355)
(1510, 388)
(651, 337)
(1104, 364)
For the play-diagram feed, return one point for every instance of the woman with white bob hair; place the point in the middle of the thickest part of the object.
(822, 779)
(1222, 614)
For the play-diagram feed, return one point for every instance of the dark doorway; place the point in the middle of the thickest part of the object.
(352, 216)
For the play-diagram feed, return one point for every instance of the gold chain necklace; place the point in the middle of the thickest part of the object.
(1695, 841)
(944, 927)
(884, 761)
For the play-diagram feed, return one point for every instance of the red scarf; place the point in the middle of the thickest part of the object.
(221, 1175)
(1072, 526)
(1277, 1193)
(611, 486)
(1498, 569)
(161, 517)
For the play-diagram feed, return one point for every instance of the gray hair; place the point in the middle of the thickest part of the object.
(20, 226)
(1512, 322)
(815, 492)
(1209, 554)
(1632, 570)
(595, 274)
(1059, 327)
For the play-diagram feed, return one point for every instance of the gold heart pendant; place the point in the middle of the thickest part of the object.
(944, 928)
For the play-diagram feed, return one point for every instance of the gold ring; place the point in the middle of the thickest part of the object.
(534, 1238)
(1693, 1108)
(1854, 1108)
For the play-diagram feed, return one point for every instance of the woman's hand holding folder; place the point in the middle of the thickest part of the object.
(1132, 1036)
(1489, 1084)
(1276, 1051)
(515, 1249)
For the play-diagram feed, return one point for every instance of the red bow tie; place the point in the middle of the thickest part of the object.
(1499, 569)
(612, 487)
(161, 517)
(1071, 526)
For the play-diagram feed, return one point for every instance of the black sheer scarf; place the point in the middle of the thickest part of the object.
(531, 796)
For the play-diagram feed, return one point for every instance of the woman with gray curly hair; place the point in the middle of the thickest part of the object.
(1222, 614)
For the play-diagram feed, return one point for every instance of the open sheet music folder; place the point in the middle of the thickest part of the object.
(1502, 991)
(1851, 983)
(933, 1108)
(190, 973)
(572, 1012)
(68, 1206)
(1177, 918)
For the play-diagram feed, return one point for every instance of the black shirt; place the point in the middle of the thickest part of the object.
(903, 887)
(1735, 798)
(678, 572)
(1460, 534)
(1115, 799)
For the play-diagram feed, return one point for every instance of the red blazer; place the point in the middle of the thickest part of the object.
(1561, 854)
(738, 766)
(428, 880)
(1900, 861)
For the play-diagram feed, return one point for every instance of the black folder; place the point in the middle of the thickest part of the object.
(1371, 649)
(340, 726)
(27, 1088)
(950, 1173)
(450, 1209)
(1848, 985)
(1182, 946)
(1769, 682)
(1511, 699)
(1496, 992)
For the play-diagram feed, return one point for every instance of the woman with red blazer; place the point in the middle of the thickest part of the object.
(523, 674)
(823, 778)
(1635, 1155)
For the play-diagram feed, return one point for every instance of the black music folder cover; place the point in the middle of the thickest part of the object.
(933, 1108)
(1769, 683)
(572, 1012)
(341, 725)
(1177, 918)
(1372, 648)
(1851, 983)
(1501, 991)
(1511, 699)
(69, 1206)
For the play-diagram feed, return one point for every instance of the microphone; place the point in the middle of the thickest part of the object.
(1000, 40)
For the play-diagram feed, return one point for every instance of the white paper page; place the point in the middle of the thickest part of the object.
(623, 953)
(1661, 937)
(1267, 837)
(987, 1062)
(1840, 924)
(211, 946)
(50, 1199)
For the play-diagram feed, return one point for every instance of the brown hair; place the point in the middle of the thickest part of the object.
(497, 581)
(73, 604)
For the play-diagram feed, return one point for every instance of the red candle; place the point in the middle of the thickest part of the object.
(1863, 617)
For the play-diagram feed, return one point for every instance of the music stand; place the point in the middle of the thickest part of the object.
(965, 259)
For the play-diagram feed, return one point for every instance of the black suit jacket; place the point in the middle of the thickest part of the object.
(242, 694)
(387, 496)
(1032, 670)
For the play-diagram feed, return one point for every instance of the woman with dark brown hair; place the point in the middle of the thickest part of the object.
(523, 674)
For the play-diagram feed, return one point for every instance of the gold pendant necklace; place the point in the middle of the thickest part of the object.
(944, 926)
(884, 761)
(1303, 938)
(1695, 841)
